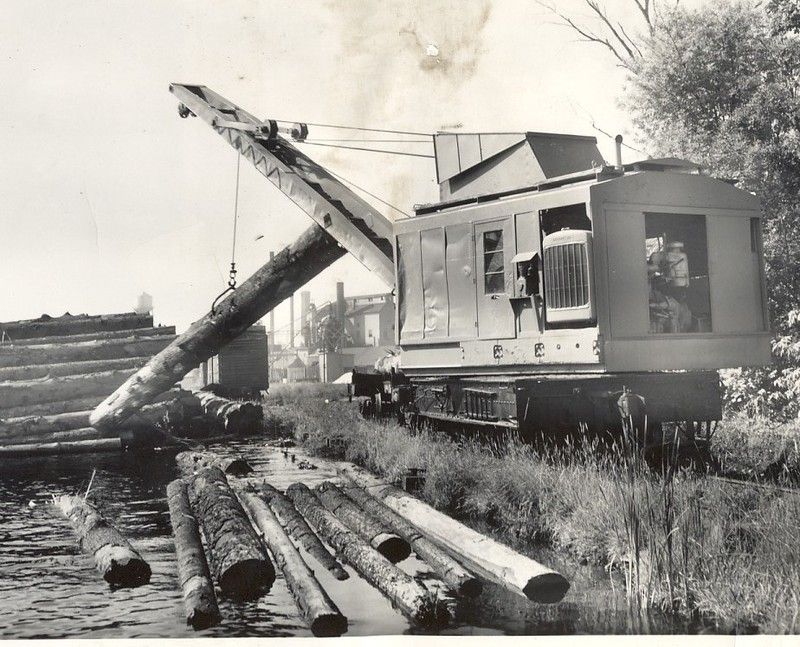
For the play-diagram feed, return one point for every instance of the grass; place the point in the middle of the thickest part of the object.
(685, 543)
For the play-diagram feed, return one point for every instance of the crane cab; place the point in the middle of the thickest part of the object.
(545, 283)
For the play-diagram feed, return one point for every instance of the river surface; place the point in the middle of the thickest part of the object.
(48, 589)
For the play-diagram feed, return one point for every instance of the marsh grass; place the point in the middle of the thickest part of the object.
(685, 543)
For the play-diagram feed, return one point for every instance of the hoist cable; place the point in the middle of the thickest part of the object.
(376, 141)
(368, 130)
(360, 188)
(371, 150)
(232, 272)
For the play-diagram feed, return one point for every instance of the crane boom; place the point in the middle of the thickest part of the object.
(351, 221)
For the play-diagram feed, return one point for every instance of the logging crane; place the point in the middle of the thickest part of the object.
(545, 289)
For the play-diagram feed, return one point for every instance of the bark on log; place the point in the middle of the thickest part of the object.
(199, 599)
(322, 615)
(231, 416)
(239, 561)
(83, 433)
(40, 371)
(291, 268)
(113, 555)
(17, 394)
(370, 528)
(34, 425)
(82, 351)
(191, 463)
(58, 448)
(457, 578)
(405, 592)
(74, 324)
(113, 334)
(297, 528)
(478, 552)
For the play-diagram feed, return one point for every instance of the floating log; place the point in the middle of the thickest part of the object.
(239, 561)
(88, 336)
(478, 552)
(74, 324)
(231, 416)
(457, 578)
(291, 268)
(199, 599)
(15, 394)
(114, 557)
(82, 351)
(402, 589)
(190, 463)
(40, 371)
(373, 530)
(297, 528)
(65, 447)
(322, 615)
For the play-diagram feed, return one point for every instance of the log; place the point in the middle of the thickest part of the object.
(321, 614)
(199, 599)
(58, 448)
(485, 556)
(113, 555)
(402, 589)
(34, 425)
(297, 528)
(291, 268)
(88, 336)
(231, 416)
(83, 433)
(39, 371)
(16, 394)
(82, 351)
(455, 576)
(370, 528)
(239, 561)
(50, 408)
(74, 324)
(190, 463)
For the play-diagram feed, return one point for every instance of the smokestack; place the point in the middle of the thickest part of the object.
(341, 307)
(271, 313)
(312, 326)
(305, 305)
(291, 321)
(618, 141)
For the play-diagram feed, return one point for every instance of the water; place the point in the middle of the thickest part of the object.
(48, 589)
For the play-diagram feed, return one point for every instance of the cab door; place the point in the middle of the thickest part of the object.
(494, 243)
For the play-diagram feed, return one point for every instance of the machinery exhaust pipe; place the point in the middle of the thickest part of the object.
(618, 142)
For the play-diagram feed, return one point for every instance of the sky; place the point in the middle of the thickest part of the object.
(105, 192)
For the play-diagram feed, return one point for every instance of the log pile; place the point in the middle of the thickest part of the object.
(53, 371)
(230, 416)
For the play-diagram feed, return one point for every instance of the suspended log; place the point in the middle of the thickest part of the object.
(405, 592)
(485, 556)
(297, 528)
(40, 371)
(199, 599)
(88, 336)
(239, 561)
(113, 555)
(231, 416)
(15, 394)
(457, 578)
(190, 463)
(373, 530)
(65, 447)
(322, 615)
(278, 279)
(82, 351)
(74, 324)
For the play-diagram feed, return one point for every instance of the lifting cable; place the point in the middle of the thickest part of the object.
(374, 141)
(371, 150)
(372, 195)
(232, 272)
(368, 130)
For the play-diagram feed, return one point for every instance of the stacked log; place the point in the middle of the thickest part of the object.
(191, 463)
(113, 555)
(297, 528)
(405, 592)
(373, 530)
(199, 599)
(322, 615)
(239, 561)
(56, 369)
(457, 578)
(231, 416)
(480, 553)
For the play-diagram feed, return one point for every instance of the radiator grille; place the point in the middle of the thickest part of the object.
(566, 276)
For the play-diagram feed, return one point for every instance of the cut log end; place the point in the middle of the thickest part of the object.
(470, 587)
(392, 547)
(126, 569)
(247, 579)
(547, 588)
(329, 625)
